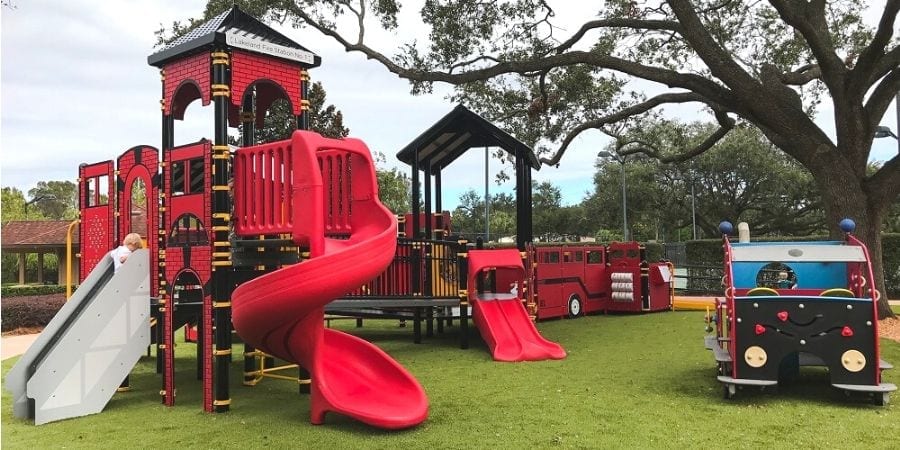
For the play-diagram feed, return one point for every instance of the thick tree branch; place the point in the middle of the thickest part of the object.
(884, 185)
(802, 75)
(881, 97)
(869, 57)
(889, 62)
(720, 62)
(725, 125)
(707, 88)
(640, 108)
(636, 24)
(808, 18)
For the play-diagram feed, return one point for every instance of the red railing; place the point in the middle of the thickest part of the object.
(263, 189)
(282, 187)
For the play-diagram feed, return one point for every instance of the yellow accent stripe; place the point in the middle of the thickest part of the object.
(224, 216)
(219, 54)
(221, 254)
(221, 263)
(220, 187)
(227, 351)
(220, 147)
(221, 244)
(221, 228)
(221, 402)
(221, 304)
(221, 156)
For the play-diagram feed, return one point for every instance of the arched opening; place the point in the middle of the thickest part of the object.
(187, 230)
(139, 212)
(776, 275)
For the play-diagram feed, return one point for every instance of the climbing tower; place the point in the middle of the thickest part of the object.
(241, 66)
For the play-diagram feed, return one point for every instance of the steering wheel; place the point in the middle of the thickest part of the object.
(761, 291)
(837, 292)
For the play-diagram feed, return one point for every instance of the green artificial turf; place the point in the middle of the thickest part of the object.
(629, 381)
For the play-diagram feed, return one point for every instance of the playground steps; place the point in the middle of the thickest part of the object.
(79, 360)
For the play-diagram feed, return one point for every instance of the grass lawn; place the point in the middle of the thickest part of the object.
(629, 381)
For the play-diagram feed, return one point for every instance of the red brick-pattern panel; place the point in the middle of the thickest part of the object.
(130, 169)
(97, 222)
(195, 68)
(247, 68)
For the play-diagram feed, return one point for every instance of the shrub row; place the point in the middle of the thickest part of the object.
(30, 311)
(37, 289)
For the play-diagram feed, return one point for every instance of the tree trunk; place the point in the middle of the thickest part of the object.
(844, 198)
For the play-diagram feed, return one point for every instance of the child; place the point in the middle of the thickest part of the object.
(783, 281)
(131, 243)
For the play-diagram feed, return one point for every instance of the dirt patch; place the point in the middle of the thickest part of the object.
(889, 328)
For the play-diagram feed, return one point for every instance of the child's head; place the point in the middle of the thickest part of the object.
(133, 241)
(782, 275)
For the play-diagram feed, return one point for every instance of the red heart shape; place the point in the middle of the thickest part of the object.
(783, 316)
(847, 332)
(760, 329)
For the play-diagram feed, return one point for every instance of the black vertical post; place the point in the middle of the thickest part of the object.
(438, 207)
(522, 208)
(415, 197)
(428, 253)
(428, 222)
(165, 352)
(528, 229)
(221, 220)
(248, 138)
(303, 123)
(303, 118)
(463, 279)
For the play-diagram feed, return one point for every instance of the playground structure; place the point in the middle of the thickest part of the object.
(794, 304)
(260, 237)
(572, 280)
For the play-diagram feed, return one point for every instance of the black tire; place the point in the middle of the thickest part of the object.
(576, 309)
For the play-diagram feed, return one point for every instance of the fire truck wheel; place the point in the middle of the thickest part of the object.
(574, 306)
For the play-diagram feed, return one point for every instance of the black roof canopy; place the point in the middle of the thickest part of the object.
(457, 132)
(235, 28)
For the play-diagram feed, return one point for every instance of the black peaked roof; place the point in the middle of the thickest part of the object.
(457, 132)
(214, 31)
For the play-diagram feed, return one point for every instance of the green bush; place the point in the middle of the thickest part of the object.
(37, 289)
(653, 251)
(30, 311)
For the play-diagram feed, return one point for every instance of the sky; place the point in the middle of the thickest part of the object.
(76, 88)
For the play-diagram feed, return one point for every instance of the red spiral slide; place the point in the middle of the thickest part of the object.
(281, 313)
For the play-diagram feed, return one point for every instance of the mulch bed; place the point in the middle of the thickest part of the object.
(889, 328)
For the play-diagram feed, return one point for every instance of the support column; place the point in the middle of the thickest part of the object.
(303, 118)
(415, 197)
(22, 257)
(218, 308)
(40, 268)
(165, 339)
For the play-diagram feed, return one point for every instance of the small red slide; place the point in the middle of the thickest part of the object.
(281, 313)
(501, 318)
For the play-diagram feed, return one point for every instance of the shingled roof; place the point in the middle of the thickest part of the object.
(36, 234)
(222, 29)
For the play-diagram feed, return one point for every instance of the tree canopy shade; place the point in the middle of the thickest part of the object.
(766, 63)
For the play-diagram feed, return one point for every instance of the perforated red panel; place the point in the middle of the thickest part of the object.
(96, 189)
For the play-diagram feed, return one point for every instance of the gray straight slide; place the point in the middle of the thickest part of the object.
(90, 346)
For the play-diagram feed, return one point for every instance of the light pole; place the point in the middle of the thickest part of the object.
(621, 160)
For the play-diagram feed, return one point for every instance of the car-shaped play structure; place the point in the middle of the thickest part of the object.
(793, 304)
